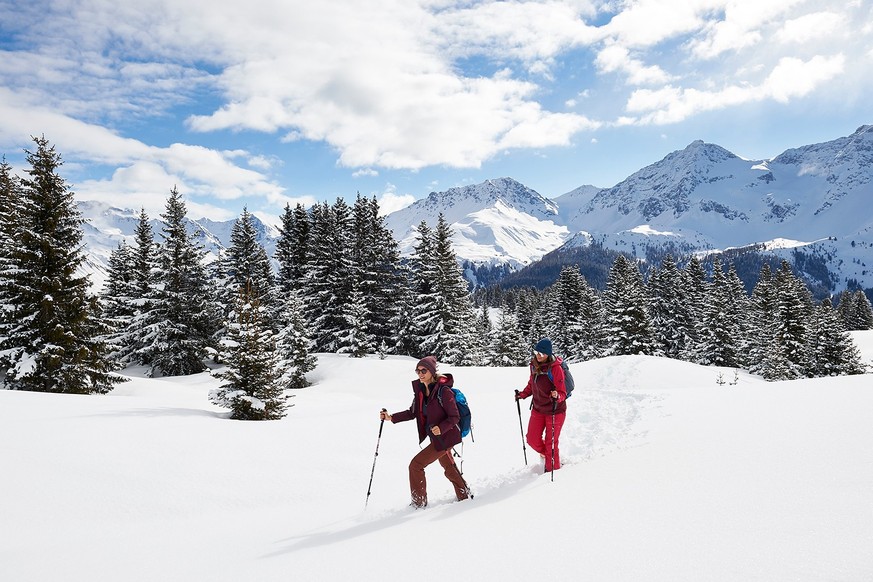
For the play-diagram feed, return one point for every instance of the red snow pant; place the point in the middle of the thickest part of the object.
(541, 424)
(418, 481)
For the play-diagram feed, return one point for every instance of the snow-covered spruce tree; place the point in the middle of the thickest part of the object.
(571, 313)
(740, 312)
(245, 264)
(293, 342)
(117, 297)
(180, 321)
(627, 327)
(329, 273)
(461, 346)
(377, 273)
(128, 343)
(832, 351)
(672, 324)
(403, 324)
(426, 319)
(793, 311)
(695, 287)
(355, 339)
(719, 328)
(763, 349)
(863, 311)
(483, 321)
(528, 311)
(10, 201)
(508, 346)
(781, 312)
(855, 311)
(53, 344)
(252, 385)
(292, 248)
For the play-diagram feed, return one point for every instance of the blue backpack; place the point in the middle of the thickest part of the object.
(466, 422)
(569, 383)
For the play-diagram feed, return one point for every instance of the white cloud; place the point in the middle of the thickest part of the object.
(796, 78)
(810, 27)
(791, 78)
(389, 201)
(741, 26)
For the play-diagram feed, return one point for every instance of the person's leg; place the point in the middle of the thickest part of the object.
(453, 474)
(558, 423)
(417, 479)
(535, 427)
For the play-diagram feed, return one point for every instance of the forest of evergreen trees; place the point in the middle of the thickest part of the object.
(342, 287)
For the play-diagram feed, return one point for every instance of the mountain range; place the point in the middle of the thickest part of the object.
(813, 200)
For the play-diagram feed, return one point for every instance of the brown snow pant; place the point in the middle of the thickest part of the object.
(418, 481)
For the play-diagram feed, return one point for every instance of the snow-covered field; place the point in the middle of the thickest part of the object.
(669, 476)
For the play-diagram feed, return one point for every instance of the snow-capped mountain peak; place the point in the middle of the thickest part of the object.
(497, 221)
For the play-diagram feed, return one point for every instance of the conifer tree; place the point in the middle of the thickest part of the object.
(128, 343)
(426, 317)
(627, 327)
(294, 343)
(10, 202)
(253, 388)
(508, 347)
(793, 308)
(403, 323)
(117, 298)
(763, 348)
(461, 345)
(354, 339)
(292, 248)
(740, 314)
(571, 313)
(246, 265)
(180, 323)
(718, 328)
(329, 273)
(696, 291)
(672, 322)
(832, 351)
(377, 273)
(53, 342)
(862, 312)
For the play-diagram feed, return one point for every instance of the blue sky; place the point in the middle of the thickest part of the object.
(267, 102)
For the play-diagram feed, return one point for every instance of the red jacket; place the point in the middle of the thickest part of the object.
(439, 409)
(540, 386)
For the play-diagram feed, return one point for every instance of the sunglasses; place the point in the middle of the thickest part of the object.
(421, 371)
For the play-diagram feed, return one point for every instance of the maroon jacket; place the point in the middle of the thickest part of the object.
(540, 386)
(440, 409)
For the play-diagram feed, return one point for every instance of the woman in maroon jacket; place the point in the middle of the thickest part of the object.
(436, 413)
(549, 408)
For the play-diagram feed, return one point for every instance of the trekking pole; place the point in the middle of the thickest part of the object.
(373, 470)
(521, 428)
(554, 408)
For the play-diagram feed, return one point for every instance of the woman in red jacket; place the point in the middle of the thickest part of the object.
(549, 408)
(436, 414)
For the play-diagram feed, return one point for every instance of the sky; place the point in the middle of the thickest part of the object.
(667, 476)
(264, 103)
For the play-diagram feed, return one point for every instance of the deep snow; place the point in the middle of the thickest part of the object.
(668, 476)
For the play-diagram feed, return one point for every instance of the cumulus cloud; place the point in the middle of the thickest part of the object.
(390, 84)
(791, 78)
(390, 201)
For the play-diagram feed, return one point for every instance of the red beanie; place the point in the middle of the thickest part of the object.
(429, 363)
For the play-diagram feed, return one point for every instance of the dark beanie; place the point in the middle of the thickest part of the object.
(544, 346)
(429, 363)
